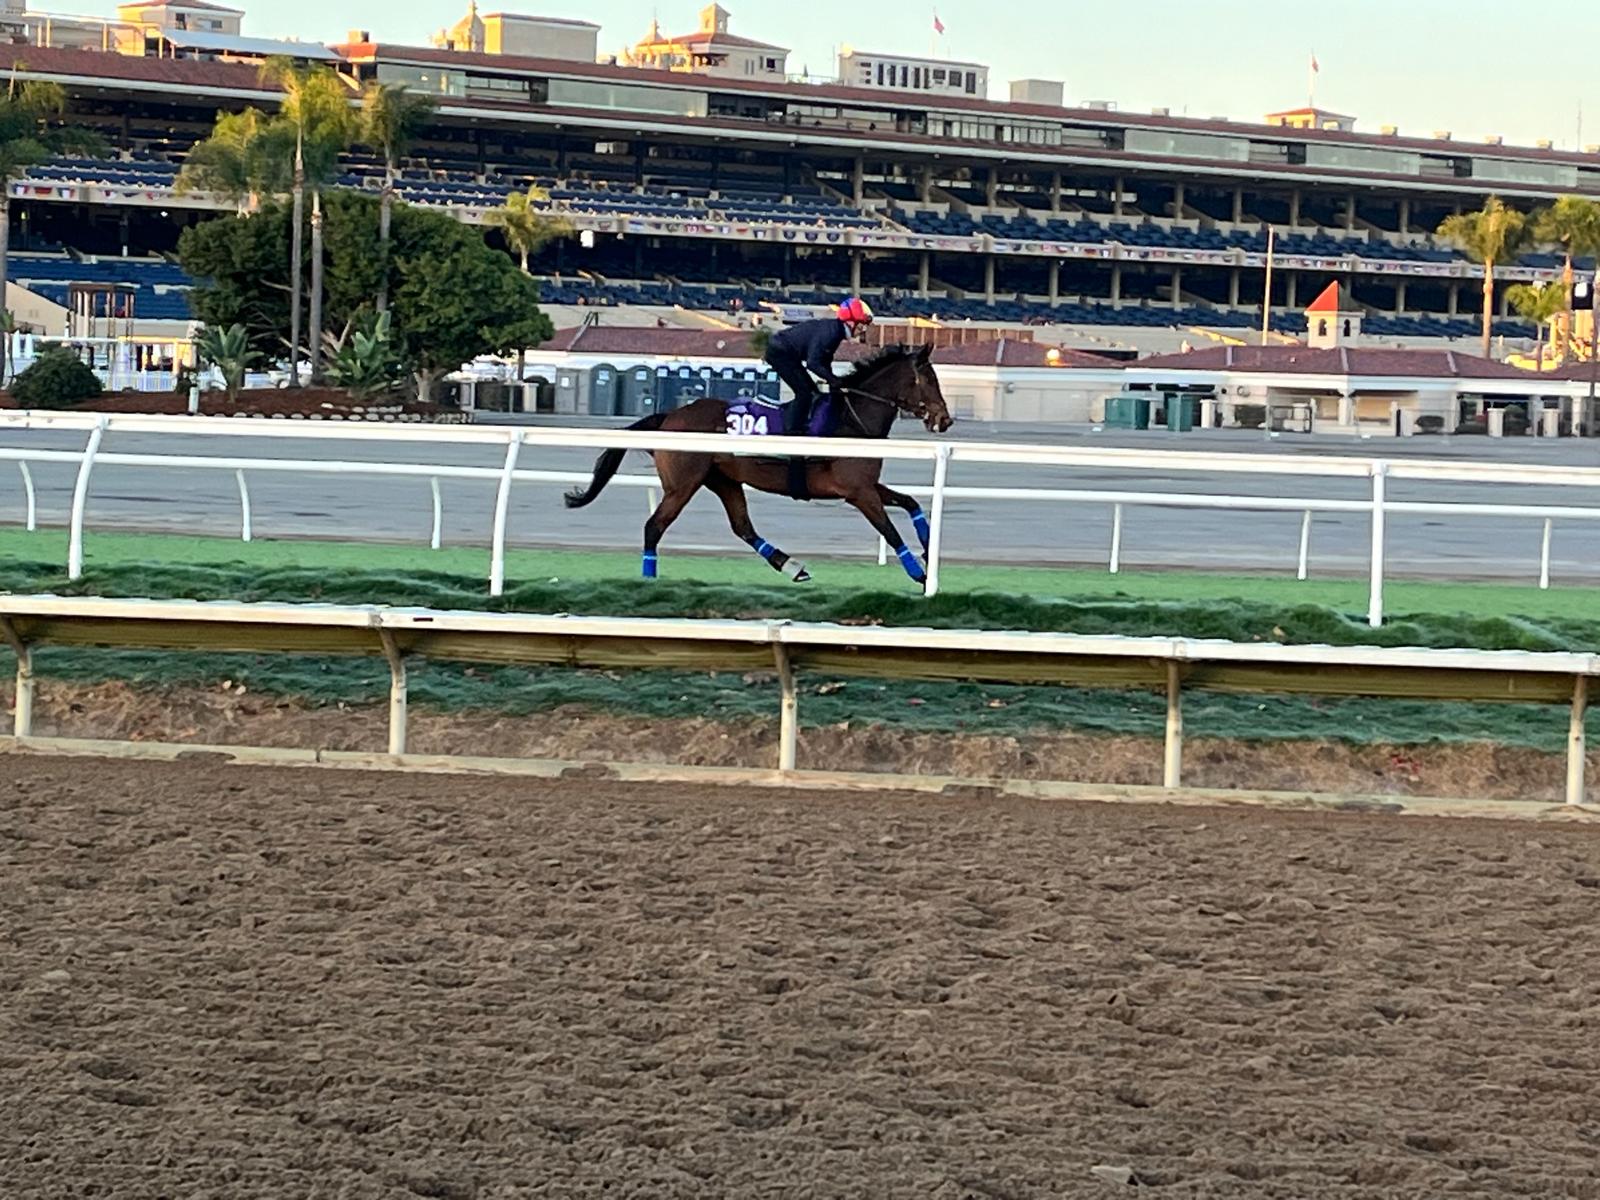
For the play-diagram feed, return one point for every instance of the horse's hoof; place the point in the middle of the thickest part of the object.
(803, 576)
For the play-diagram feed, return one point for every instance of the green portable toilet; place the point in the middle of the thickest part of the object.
(638, 391)
(603, 389)
(1181, 413)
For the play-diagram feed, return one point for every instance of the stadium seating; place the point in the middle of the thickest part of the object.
(160, 287)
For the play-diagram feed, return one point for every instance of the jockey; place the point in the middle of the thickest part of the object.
(801, 351)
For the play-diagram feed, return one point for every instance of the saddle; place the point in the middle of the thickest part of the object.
(764, 418)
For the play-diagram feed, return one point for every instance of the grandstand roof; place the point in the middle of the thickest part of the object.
(171, 72)
(1346, 360)
(878, 98)
(229, 43)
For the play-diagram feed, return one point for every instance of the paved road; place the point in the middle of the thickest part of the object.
(1016, 532)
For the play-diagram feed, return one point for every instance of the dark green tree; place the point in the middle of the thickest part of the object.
(453, 297)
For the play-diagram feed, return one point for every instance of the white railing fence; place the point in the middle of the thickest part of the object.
(942, 457)
(1166, 666)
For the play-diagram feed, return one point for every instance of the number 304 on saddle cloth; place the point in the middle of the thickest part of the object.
(762, 418)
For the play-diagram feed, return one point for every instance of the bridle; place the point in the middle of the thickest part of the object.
(844, 398)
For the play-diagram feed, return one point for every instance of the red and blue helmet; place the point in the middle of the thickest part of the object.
(855, 312)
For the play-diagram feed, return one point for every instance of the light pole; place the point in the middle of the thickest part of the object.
(1588, 286)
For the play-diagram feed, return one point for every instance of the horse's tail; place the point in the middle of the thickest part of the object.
(606, 465)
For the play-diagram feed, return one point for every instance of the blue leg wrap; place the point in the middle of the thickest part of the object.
(766, 549)
(908, 560)
(649, 564)
(919, 521)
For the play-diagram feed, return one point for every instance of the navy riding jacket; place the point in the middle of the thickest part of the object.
(814, 343)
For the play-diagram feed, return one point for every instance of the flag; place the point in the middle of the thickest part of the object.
(1315, 68)
(938, 25)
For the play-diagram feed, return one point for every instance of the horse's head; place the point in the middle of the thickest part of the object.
(926, 399)
(904, 377)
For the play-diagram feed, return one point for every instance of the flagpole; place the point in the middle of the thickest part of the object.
(1266, 301)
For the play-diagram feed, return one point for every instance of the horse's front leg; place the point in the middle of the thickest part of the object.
(919, 519)
(868, 503)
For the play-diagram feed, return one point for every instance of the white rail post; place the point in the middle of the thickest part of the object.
(941, 470)
(245, 530)
(27, 490)
(883, 553)
(80, 500)
(1116, 538)
(1305, 546)
(789, 709)
(1380, 475)
(502, 512)
(1544, 558)
(1577, 748)
(397, 692)
(1172, 764)
(22, 719)
(437, 539)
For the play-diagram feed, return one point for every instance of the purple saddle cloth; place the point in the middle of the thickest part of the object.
(763, 418)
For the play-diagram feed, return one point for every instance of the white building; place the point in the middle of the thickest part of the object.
(911, 73)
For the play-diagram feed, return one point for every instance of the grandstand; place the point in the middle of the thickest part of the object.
(719, 193)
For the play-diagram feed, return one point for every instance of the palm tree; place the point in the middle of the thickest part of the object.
(316, 107)
(245, 157)
(1541, 304)
(1494, 234)
(527, 227)
(391, 117)
(29, 134)
(1573, 223)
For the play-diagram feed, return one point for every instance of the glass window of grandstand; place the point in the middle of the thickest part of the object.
(938, 77)
(440, 83)
(880, 74)
(905, 75)
(627, 97)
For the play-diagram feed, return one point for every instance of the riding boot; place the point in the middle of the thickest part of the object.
(797, 479)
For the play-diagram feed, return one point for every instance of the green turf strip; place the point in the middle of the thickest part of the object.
(1237, 608)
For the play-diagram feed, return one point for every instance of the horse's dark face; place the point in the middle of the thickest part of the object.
(925, 399)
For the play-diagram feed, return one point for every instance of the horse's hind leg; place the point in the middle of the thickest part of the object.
(870, 506)
(919, 519)
(731, 493)
(681, 477)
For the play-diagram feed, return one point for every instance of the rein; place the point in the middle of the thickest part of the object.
(844, 398)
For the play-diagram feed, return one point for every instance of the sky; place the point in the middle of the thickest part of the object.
(1474, 67)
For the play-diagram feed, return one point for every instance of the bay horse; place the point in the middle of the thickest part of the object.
(894, 381)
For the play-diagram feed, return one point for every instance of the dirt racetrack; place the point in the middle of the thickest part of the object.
(220, 981)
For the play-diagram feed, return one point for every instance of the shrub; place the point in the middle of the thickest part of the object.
(57, 379)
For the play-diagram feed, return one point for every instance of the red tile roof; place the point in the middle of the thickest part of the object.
(711, 38)
(645, 342)
(114, 68)
(201, 5)
(1350, 360)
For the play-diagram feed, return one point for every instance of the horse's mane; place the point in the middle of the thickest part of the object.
(881, 359)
